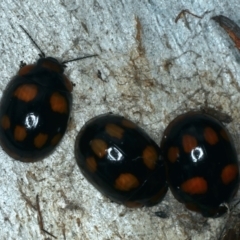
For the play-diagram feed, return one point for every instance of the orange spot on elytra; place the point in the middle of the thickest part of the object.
(58, 103)
(26, 69)
(126, 182)
(68, 83)
(233, 36)
(189, 143)
(128, 124)
(210, 136)
(40, 140)
(192, 207)
(55, 140)
(150, 157)
(196, 185)
(157, 197)
(133, 204)
(26, 92)
(173, 153)
(229, 173)
(53, 66)
(99, 147)
(224, 134)
(114, 131)
(20, 133)
(91, 164)
(5, 122)
(230, 27)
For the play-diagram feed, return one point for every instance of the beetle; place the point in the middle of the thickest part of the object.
(121, 161)
(201, 162)
(35, 108)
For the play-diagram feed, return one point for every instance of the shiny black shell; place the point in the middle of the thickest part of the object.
(34, 110)
(121, 161)
(202, 164)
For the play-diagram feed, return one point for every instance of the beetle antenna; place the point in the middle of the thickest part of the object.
(76, 59)
(42, 54)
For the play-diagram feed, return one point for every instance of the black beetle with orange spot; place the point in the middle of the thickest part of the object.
(121, 161)
(202, 164)
(35, 109)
